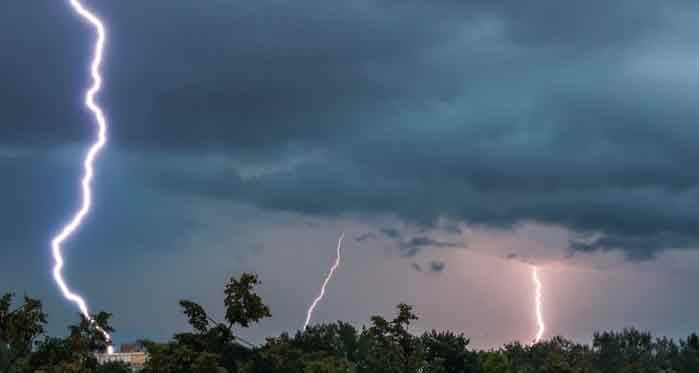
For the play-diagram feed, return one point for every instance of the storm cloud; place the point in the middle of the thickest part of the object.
(478, 112)
(437, 267)
(414, 245)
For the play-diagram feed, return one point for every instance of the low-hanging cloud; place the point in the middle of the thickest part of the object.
(486, 113)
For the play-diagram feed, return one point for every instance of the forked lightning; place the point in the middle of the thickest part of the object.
(538, 305)
(338, 259)
(88, 170)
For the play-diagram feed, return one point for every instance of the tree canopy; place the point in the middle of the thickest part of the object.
(384, 346)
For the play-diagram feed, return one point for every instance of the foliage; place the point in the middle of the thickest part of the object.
(385, 346)
(212, 345)
(19, 327)
(243, 306)
(446, 352)
(74, 353)
(114, 367)
(178, 357)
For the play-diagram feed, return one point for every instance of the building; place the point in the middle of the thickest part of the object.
(129, 354)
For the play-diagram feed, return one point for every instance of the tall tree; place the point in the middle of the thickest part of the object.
(74, 353)
(446, 352)
(212, 340)
(19, 328)
(393, 348)
(243, 305)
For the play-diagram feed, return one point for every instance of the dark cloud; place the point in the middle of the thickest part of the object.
(392, 233)
(443, 114)
(529, 260)
(636, 248)
(433, 266)
(365, 237)
(414, 245)
(437, 267)
(476, 112)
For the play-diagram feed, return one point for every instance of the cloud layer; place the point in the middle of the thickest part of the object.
(479, 112)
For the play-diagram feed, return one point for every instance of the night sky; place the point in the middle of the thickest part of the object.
(455, 142)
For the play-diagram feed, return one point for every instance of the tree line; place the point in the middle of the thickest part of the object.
(385, 346)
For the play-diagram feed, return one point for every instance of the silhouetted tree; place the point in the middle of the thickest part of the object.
(74, 353)
(446, 352)
(243, 305)
(212, 340)
(386, 346)
(392, 348)
(19, 327)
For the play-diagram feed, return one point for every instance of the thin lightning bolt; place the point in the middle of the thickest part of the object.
(539, 315)
(320, 296)
(92, 153)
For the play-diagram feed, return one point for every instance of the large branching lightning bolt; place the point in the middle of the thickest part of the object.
(338, 259)
(538, 305)
(92, 153)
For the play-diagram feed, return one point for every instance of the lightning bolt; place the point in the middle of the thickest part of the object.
(537, 301)
(309, 313)
(92, 153)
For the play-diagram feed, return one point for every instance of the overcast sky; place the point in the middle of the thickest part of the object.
(455, 142)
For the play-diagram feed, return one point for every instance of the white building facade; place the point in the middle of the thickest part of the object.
(136, 360)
